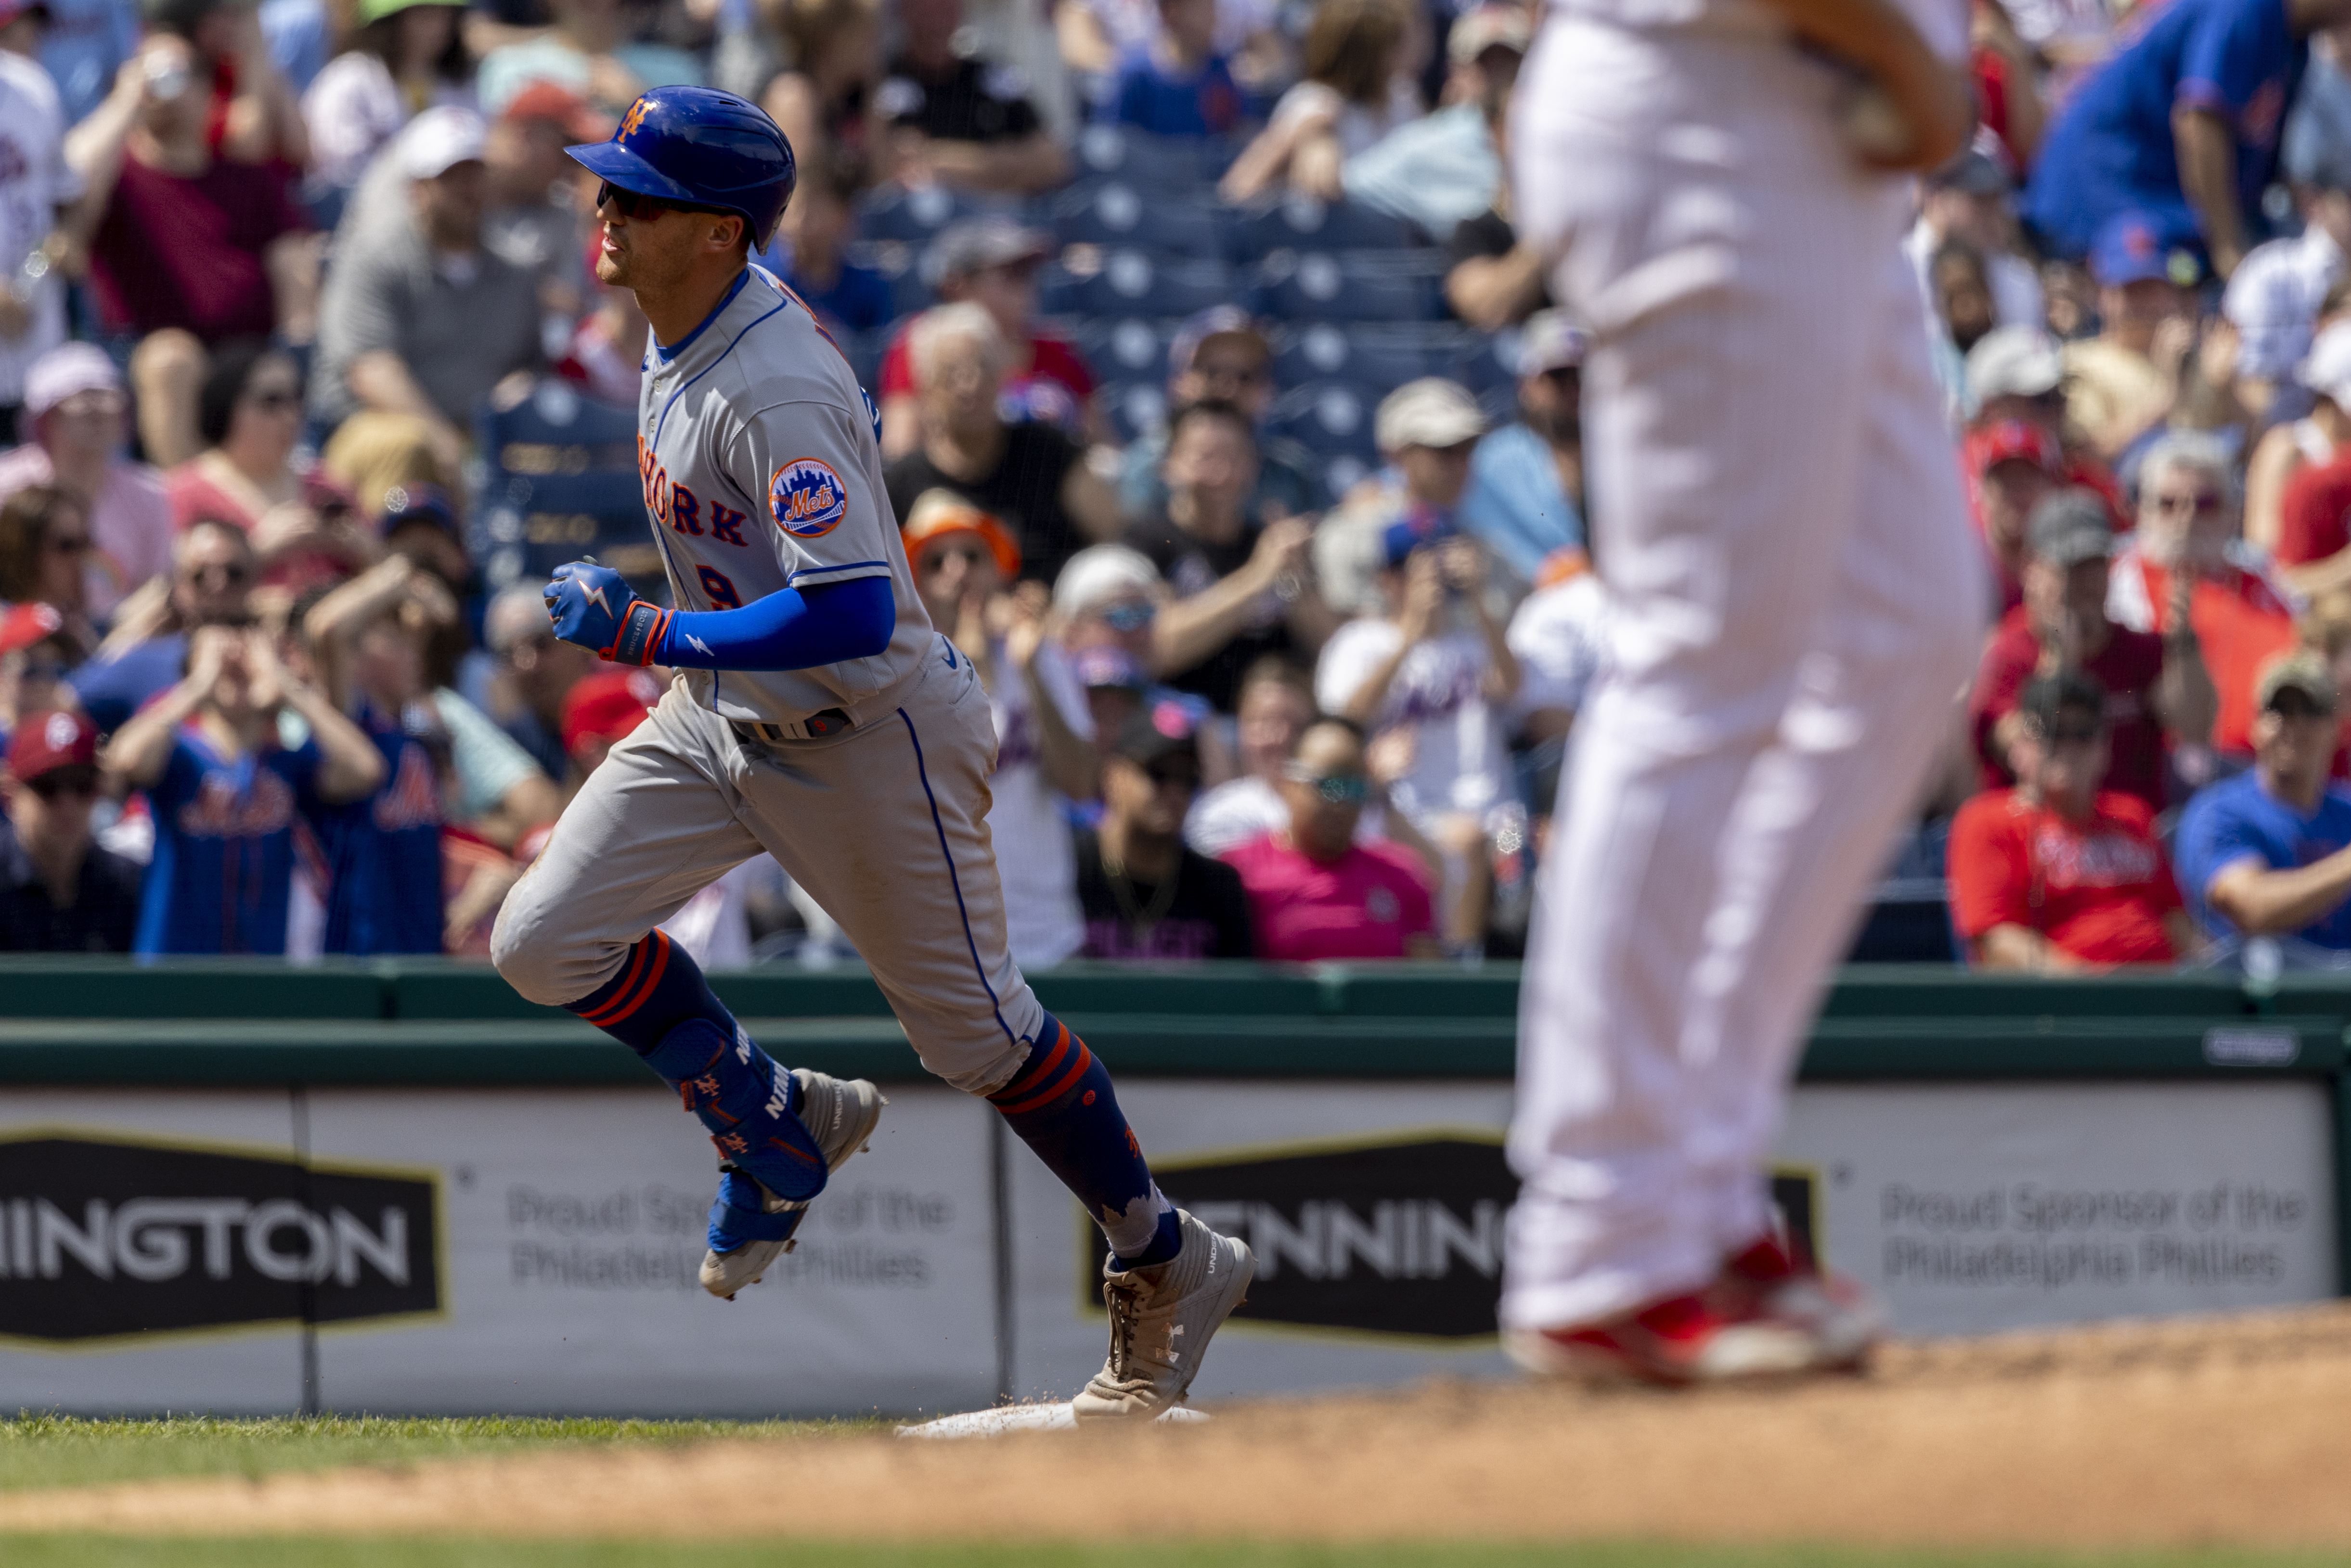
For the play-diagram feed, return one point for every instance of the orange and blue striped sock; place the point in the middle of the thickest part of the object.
(1061, 1105)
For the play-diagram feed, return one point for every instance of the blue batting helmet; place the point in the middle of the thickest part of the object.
(701, 147)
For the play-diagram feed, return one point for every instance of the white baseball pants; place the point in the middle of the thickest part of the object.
(1795, 601)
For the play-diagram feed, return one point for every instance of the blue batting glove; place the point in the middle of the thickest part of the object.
(591, 605)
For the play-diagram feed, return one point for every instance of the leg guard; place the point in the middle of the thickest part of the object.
(751, 1108)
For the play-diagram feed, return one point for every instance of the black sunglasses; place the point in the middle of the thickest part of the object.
(635, 205)
(49, 786)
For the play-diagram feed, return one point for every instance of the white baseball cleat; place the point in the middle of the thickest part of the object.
(1161, 1320)
(841, 1115)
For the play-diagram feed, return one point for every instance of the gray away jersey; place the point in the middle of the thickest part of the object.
(762, 471)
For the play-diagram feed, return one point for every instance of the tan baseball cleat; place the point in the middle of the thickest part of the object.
(1161, 1320)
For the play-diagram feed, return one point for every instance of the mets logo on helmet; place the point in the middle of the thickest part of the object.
(807, 498)
(636, 118)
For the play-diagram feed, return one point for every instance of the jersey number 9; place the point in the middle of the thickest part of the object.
(721, 592)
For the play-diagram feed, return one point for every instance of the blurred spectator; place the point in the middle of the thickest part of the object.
(2070, 35)
(1316, 890)
(36, 652)
(385, 883)
(1353, 92)
(1144, 894)
(1106, 601)
(2235, 621)
(1275, 705)
(298, 35)
(1494, 280)
(401, 56)
(1097, 35)
(601, 710)
(1555, 636)
(83, 47)
(1428, 430)
(964, 561)
(1222, 353)
(957, 120)
(369, 638)
(2182, 125)
(2295, 488)
(37, 194)
(1525, 498)
(608, 347)
(2154, 688)
(524, 682)
(2125, 382)
(533, 215)
(1445, 168)
(1959, 292)
(825, 98)
(2058, 875)
(2011, 468)
(250, 109)
(2011, 99)
(1177, 83)
(2316, 146)
(992, 262)
(60, 890)
(1031, 476)
(2268, 852)
(223, 793)
(815, 235)
(590, 49)
(44, 544)
(2275, 298)
(1435, 667)
(415, 331)
(193, 248)
(305, 528)
(146, 649)
(1965, 201)
(1240, 587)
(77, 420)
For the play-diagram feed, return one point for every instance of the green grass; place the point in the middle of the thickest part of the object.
(97, 1552)
(65, 1451)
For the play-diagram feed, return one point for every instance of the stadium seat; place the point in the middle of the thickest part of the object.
(562, 483)
(1135, 408)
(1349, 285)
(1160, 164)
(1116, 213)
(1130, 282)
(899, 263)
(1127, 347)
(1328, 418)
(1375, 353)
(1300, 222)
(914, 214)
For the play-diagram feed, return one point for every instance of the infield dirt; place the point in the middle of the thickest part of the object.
(2182, 1433)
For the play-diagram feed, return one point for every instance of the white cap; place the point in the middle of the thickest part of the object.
(1550, 340)
(1430, 411)
(2327, 369)
(1475, 32)
(67, 369)
(438, 139)
(2013, 361)
(1100, 573)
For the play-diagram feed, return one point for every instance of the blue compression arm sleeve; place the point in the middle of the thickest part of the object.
(796, 629)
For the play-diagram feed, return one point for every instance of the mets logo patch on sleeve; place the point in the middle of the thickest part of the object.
(807, 498)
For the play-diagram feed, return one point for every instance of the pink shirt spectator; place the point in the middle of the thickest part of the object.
(194, 495)
(175, 251)
(1368, 905)
(130, 522)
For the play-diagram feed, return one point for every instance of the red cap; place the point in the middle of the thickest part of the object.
(45, 742)
(2013, 441)
(557, 104)
(607, 705)
(27, 624)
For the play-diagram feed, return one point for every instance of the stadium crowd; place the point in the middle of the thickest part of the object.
(1231, 431)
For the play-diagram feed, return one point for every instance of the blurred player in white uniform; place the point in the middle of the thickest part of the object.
(1794, 604)
(820, 716)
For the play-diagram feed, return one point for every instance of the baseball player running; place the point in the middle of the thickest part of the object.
(819, 716)
(1794, 599)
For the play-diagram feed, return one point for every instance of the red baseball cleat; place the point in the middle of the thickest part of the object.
(1765, 1316)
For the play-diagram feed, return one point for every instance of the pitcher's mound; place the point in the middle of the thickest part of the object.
(2176, 1433)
